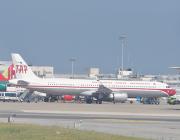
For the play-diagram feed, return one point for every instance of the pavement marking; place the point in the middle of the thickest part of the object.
(101, 113)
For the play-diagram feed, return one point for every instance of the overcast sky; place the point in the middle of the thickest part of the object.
(50, 32)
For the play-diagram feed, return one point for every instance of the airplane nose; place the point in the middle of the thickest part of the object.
(172, 92)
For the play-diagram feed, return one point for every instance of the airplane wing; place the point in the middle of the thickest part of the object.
(101, 90)
(100, 94)
(104, 94)
(88, 93)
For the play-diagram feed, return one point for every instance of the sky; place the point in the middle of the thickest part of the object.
(50, 32)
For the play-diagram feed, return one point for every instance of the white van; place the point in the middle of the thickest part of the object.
(9, 96)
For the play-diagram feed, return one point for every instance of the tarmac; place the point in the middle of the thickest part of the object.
(159, 122)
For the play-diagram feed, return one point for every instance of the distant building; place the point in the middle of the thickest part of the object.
(176, 68)
(94, 72)
(43, 71)
(148, 77)
(124, 73)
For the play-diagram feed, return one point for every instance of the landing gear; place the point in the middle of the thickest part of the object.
(156, 101)
(99, 101)
(99, 98)
(113, 99)
(27, 97)
(46, 99)
(151, 101)
(89, 100)
(51, 99)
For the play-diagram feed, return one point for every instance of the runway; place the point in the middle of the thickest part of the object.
(147, 121)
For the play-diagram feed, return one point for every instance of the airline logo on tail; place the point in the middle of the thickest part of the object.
(21, 68)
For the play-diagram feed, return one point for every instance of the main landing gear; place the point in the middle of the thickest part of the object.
(89, 100)
(151, 100)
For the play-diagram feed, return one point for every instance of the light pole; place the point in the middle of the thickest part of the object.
(72, 66)
(123, 39)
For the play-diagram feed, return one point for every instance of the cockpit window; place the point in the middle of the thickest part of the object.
(167, 86)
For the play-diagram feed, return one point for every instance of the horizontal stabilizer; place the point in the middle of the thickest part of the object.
(22, 82)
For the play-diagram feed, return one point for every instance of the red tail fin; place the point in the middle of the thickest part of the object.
(8, 73)
(2, 78)
(11, 72)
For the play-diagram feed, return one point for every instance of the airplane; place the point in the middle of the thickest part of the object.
(101, 90)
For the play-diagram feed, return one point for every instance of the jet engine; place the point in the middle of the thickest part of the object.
(118, 97)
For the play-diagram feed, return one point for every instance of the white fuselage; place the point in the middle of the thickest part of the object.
(79, 86)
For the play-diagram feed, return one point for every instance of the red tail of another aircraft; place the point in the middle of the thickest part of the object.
(8, 73)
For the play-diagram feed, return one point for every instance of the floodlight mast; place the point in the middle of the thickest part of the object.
(123, 39)
(72, 66)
